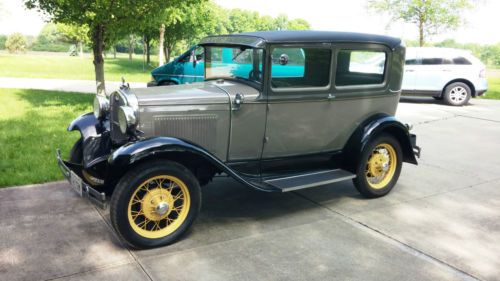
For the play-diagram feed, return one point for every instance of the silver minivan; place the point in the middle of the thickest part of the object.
(451, 75)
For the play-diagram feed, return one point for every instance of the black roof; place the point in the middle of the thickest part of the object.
(256, 39)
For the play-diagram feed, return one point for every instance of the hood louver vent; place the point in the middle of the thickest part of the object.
(199, 129)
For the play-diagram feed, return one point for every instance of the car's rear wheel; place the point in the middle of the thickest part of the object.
(379, 167)
(457, 94)
(154, 204)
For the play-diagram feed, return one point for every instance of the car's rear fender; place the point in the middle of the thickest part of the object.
(373, 127)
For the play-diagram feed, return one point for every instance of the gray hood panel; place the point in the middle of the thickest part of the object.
(188, 94)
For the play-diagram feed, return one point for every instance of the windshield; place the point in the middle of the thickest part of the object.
(234, 62)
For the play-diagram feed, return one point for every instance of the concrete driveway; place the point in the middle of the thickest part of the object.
(441, 222)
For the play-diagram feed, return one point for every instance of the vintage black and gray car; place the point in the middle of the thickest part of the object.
(329, 117)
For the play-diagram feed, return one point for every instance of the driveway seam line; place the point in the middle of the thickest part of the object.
(414, 251)
(134, 258)
(94, 269)
(428, 196)
(478, 118)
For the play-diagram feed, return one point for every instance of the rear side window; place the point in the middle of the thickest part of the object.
(300, 67)
(461, 60)
(360, 67)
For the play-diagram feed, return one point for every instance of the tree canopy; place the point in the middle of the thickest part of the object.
(107, 20)
(430, 16)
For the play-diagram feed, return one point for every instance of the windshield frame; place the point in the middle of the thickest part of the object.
(253, 83)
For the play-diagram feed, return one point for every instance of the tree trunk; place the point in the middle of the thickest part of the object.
(147, 42)
(130, 46)
(97, 49)
(114, 52)
(161, 59)
(80, 47)
(421, 33)
(167, 53)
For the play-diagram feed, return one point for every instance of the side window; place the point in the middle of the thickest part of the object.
(432, 61)
(199, 53)
(461, 61)
(411, 62)
(360, 67)
(300, 67)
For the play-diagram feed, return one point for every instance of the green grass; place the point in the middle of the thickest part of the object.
(32, 125)
(493, 89)
(48, 65)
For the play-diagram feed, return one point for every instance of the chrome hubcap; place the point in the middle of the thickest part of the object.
(458, 94)
(162, 208)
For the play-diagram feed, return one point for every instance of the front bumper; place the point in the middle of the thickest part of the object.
(84, 190)
(416, 148)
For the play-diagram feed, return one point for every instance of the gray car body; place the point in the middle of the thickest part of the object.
(272, 132)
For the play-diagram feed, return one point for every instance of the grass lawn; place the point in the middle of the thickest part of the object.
(32, 125)
(59, 66)
(493, 89)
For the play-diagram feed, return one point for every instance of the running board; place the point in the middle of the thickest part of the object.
(295, 182)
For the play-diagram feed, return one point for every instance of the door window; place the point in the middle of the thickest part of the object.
(300, 67)
(360, 67)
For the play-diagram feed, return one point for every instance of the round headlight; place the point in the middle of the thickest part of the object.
(126, 118)
(101, 106)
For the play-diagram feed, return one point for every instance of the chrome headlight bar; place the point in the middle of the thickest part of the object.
(126, 119)
(101, 106)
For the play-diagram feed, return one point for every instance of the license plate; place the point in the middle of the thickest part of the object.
(76, 183)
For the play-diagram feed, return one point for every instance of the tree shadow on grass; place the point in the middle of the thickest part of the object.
(42, 98)
(29, 140)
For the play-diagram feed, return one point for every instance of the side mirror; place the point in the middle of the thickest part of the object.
(284, 59)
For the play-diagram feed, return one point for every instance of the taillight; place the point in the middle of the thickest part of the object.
(482, 73)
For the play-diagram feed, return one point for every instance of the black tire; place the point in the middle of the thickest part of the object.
(126, 189)
(457, 94)
(361, 182)
(76, 153)
(167, 83)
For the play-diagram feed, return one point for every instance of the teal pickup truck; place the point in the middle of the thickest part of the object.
(190, 66)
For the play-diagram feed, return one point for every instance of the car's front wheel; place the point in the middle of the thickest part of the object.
(154, 204)
(457, 94)
(379, 166)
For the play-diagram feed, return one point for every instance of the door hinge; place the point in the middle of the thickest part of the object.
(266, 139)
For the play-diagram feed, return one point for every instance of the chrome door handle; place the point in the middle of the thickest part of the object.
(238, 100)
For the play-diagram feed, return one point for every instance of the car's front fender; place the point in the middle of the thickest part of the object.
(88, 125)
(131, 154)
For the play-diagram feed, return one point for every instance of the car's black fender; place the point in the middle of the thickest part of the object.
(184, 152)
(372, 127)
(88, 125)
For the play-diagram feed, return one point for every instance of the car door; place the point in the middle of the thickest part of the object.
(187, 69)
(432, 72)
(411, 66)
(299, 87)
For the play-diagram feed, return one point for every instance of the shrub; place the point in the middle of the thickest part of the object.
(16, 43)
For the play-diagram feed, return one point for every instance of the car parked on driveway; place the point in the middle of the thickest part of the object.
(151, 150)
(446, 74)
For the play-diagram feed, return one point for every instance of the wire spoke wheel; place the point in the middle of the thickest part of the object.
(158, 206)
(381, 166)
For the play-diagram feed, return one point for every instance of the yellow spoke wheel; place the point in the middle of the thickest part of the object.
(159, 206)
(381, 166)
